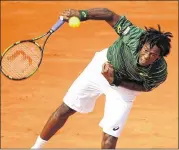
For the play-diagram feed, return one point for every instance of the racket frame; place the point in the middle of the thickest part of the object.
(32, 41)
(55, 27)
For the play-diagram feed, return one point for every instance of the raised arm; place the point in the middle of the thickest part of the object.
(93, 14)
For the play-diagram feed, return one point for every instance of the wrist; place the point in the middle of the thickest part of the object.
(83, 15)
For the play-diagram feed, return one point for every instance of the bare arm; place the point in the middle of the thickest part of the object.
(103, 14)
(132, 85)
(94, 14)
(108, 73)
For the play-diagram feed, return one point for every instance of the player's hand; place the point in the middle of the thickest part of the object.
(67, 14)
(108, 72)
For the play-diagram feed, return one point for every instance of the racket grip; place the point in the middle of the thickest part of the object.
(58, 24)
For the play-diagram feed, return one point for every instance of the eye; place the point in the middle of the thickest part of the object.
(153, 55)
(145, 50)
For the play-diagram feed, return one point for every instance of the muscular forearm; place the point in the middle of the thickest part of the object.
(92, 14)
(100, 14)
(132, 85)
(103, 14)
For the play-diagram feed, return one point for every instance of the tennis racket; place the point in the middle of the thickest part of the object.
(23, 58)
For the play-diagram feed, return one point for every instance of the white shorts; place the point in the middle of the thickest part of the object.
(90, 84)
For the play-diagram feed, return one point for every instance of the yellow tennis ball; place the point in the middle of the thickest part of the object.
(74, 22)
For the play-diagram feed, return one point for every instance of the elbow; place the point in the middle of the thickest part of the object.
(112, 17)
(110, 14)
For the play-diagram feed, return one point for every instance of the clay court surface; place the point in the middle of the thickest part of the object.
(26, 105)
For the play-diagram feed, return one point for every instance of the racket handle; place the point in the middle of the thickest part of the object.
(58, 24)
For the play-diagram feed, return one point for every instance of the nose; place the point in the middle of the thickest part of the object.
(146, 56)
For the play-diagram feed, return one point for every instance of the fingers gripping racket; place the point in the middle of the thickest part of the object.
(22, 59)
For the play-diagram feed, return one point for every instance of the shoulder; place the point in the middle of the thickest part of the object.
(130, 33)
(125, 26)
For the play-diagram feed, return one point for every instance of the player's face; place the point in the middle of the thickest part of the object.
(148, 55)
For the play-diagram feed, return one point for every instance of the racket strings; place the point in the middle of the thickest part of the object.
(21, 60)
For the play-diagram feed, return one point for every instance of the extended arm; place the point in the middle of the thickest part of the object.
(93, 14)
(103, 14)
